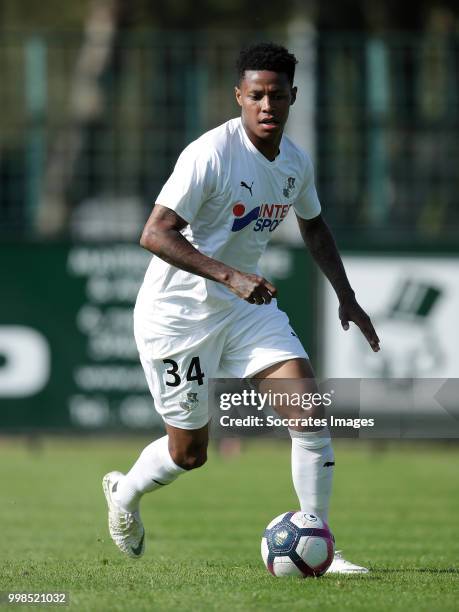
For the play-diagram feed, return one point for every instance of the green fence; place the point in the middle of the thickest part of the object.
(86, 157)
(387, 133)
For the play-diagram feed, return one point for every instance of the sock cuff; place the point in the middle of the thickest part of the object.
(163, 448)
(311, 439)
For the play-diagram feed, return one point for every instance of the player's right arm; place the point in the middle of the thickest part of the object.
(162, 236)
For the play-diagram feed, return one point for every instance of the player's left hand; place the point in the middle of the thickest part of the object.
(349, 310)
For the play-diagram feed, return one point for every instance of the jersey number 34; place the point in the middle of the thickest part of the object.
(194, 372)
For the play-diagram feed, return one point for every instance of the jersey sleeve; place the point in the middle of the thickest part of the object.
(307, 205)
(191, 183)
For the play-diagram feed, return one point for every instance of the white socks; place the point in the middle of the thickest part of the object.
(312, 470)
(152, 470)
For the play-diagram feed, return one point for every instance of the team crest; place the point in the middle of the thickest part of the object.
(190, 402)
(289, 186)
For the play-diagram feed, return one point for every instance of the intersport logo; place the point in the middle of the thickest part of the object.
(266, 216)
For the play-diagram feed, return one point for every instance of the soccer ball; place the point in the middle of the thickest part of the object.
(297, 544)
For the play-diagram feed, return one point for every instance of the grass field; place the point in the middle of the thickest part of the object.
(395, 509)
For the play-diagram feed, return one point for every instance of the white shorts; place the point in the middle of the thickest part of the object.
(238, 343)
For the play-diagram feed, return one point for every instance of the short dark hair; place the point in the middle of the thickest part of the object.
(266, 56)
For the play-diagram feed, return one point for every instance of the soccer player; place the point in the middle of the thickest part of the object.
(204, 310)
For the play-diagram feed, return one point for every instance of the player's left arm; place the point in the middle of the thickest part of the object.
(322, 246)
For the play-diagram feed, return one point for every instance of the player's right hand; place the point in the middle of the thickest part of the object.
(252, 288)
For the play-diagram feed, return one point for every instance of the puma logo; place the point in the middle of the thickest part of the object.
(243, 184)
(329, 463)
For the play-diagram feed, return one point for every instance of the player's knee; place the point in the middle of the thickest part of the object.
(301, 415)
(190, 459)
(195, 460)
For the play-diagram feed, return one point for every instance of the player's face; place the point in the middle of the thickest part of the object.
(265, 98)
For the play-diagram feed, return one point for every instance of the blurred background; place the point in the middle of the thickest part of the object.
(97, 100)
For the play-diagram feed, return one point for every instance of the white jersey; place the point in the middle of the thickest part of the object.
(233, 199)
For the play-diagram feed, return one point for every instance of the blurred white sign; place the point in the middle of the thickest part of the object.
(26, 361)
(414, 305)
